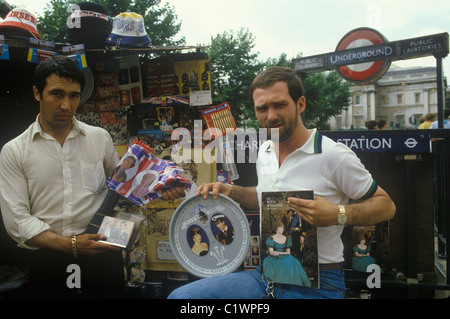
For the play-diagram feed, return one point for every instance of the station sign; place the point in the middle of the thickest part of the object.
(398, 143)
(247, 144)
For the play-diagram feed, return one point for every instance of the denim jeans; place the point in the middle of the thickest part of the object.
(248, 285)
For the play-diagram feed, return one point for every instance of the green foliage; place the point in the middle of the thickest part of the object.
(233, 67)
(326, 96)
(52, 26)
(160, 21)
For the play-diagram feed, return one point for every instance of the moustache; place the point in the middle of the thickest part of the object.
(273, 124)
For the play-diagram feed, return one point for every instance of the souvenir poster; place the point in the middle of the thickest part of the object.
(253, 259)
(288, 243)
(192, 75)
(166, 118)
(140, 176)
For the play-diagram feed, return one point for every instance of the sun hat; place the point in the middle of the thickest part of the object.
(129, 31)
(23, 19)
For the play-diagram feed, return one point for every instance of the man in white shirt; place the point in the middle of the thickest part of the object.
(52, 181)
(301, 159)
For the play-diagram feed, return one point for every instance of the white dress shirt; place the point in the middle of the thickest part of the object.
(46, 186)
(330, 169)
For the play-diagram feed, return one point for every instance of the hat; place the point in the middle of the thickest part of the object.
(22, 19)
(91, 25)
(129, 31)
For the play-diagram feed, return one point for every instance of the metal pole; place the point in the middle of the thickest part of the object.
(440, 90)
(441, 145)
(411, 223)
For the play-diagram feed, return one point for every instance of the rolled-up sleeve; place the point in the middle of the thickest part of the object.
(111, 156)
(14, 198)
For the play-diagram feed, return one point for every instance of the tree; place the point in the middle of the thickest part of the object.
(282, 60)
(233, 68)
(326, 96)
(160, 21)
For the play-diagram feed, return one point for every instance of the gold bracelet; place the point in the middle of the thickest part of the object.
(232, 191)
(74, 246)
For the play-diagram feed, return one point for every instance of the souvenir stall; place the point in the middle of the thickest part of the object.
(156, 95)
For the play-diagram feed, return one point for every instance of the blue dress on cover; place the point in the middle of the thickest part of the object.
(361, 263)
(284, 269)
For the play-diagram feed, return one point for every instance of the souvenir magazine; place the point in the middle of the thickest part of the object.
(288, 243)
(121, 229)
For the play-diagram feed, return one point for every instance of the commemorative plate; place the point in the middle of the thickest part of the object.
(210, 236)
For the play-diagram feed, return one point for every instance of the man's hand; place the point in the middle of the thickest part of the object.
(215, 188)
(321, 212)
(87, 244)
(318, 212)
(245, 196)
(173, 193)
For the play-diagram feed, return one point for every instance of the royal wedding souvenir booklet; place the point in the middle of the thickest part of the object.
(121, 229)
(288, 243)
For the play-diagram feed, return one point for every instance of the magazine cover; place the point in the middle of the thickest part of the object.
(288, 243)
(366, 245)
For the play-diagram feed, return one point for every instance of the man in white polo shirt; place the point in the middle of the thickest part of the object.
(301, 159)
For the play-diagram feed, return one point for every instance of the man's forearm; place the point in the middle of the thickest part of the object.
(48, 239)
(374, 210)
(246, 196)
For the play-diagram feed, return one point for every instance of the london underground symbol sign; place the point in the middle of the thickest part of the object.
(363, 55)
(361, 45)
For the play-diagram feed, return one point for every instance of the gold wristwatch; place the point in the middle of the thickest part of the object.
(342, 217)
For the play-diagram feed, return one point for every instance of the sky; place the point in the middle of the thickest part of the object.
(309, 27)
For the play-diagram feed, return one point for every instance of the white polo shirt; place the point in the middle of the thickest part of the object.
(330, 169)
(44, 186)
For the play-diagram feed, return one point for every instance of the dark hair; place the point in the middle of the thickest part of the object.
(60, 65)
(446, 113)
(371, 125)
(381, 123)
(275, 74)
(195, 231)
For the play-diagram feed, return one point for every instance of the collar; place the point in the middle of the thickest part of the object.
(76, 128)
(317, 142)
(312, 146)
(314, 143)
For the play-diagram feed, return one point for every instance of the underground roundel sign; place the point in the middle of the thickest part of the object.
(365, 72)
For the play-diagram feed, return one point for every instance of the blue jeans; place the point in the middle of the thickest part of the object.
(248, 285)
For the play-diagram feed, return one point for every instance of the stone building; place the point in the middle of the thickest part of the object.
(400, 97)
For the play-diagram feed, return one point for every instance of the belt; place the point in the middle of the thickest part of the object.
(330, 266)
